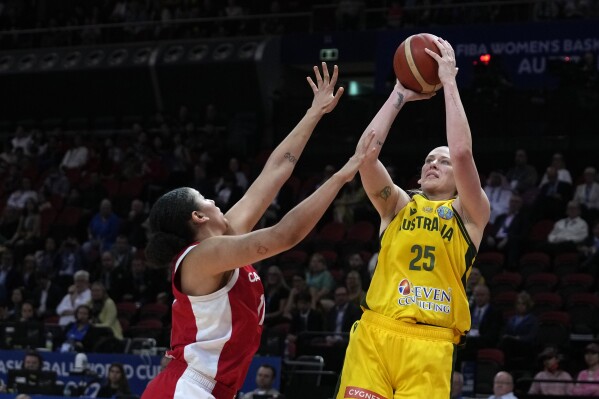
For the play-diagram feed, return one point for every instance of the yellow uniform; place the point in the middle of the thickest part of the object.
(416, 307)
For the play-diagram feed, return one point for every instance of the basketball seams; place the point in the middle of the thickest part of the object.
(426, 87)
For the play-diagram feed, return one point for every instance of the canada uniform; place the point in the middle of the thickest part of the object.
(213, 339)
(415, 308)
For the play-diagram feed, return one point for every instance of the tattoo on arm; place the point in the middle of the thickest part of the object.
(290, 157)
(379, 142)
(385, 193)
(262, 249)
(399, 101)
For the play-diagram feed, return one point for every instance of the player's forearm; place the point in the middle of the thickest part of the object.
(382, 121)
(289, 150)
(459, 138)
(299, 221)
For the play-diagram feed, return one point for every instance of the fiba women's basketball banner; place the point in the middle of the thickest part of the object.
(140, 369)
(530, 55)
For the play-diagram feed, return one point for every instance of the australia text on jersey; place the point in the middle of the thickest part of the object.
(427, 223)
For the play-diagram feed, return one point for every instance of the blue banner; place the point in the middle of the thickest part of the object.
(140, 369)
(523, 53)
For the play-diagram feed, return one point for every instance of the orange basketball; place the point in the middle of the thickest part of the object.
(415, 69)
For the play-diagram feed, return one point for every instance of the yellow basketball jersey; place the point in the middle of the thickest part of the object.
(424, 262)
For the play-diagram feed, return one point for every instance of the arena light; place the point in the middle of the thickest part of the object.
(26, 62)
(485, 58)
(117, 57)
(49, 61)
(247, 50)
(6, 62)
(71, 59)
(142, 55)
(173, 54)
(222, 51)
(94, 58)
(197, 53)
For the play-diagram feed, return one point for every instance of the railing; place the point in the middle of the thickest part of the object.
(320, 18)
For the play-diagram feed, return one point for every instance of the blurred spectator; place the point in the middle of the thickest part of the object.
(563, 174)
(93, 191)
(80, 335)
(10, 276)
(485, 327)
(545, 10)
(299, 286)
(553, 196)
(133, 225)
(28, 234)
(265, 378)
(498, 193)
(78, 294)
(116, 279)
(587, 194)
(103, 310)
(587, 382)
(201, 182)
(350, 14)
(28, 270)
(304, 317)
(272, 25)
(509, 232)
(17, 200)
(102, 230)
(474, 280)
(319, 280)
(356, 263)
(569, 232)
(522, 176)
(47, 258)
(227, 192)
(22, 140)
(555, 381)
(350, 200)
(486, 320)
(17, 297)
(276, 293)
(122, 252)
(240, 176)
(457, 385)
(116, 384)
(33, 361)
(27, 313)
(144, 284)
(590, 250)
(47, 295)
(69, 261)
(56, 182)
(394, 14)
(341, 317)
(353, 283)
(520, 331)
(503, 386)
(76, 156)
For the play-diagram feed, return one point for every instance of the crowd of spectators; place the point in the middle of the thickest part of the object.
(73, 232)
(151, 20)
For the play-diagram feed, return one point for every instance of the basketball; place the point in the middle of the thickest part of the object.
(414, 68)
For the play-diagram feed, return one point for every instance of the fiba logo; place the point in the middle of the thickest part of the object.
(405, 288)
